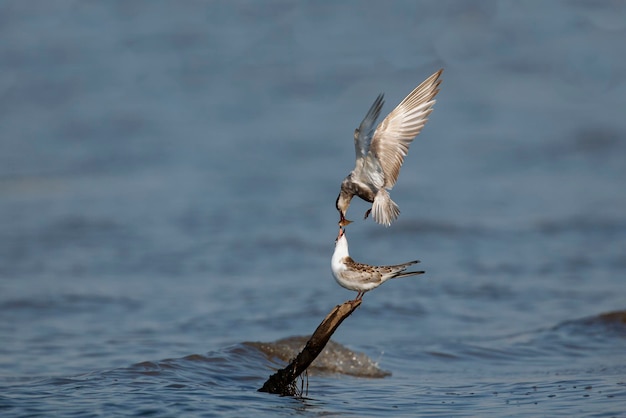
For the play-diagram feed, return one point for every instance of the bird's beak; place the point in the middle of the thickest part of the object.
(341, 231)
(342, 220)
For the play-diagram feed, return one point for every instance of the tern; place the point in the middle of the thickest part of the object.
(380, 152)
(363, 277)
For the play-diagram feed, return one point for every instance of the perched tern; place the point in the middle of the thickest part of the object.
(363, 277)
(380, 153)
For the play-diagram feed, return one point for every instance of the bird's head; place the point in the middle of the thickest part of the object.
(340, 234)
(342, 203)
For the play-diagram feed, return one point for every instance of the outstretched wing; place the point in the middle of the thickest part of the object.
(391, 140)
(363, 134)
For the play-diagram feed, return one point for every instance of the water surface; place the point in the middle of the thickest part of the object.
(168, 173)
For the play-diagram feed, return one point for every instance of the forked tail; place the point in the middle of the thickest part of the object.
(384, 210)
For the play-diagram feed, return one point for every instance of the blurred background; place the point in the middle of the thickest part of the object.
(168, 173)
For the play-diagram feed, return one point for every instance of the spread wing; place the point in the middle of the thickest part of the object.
(390, 142)
(363, 134)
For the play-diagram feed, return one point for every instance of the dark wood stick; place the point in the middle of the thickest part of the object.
(283, 381)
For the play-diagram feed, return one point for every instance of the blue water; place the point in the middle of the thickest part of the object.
(168, 172)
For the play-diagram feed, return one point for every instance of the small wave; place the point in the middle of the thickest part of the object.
(584, 340)
(335, 358)
(67, 303)
(589, 337)
(610, 324)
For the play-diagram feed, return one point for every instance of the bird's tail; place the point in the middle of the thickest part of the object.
(384, 210)
(404, 266)
(408, 273)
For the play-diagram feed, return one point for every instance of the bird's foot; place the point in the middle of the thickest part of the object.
(367, 214)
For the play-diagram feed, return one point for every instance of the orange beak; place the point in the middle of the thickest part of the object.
(342, 220)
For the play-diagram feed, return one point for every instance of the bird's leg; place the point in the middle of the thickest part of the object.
(367, 213)
(359, 296)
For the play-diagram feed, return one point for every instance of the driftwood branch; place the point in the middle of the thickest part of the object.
(283, 381)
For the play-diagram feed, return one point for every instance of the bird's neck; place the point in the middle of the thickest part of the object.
(341, 249)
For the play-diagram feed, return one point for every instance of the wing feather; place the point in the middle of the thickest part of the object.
(393, 136)
(363, 134)
(361, 273)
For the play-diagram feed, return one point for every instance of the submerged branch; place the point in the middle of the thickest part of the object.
(283, 381)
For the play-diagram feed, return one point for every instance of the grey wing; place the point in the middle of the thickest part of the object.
(391, 140)
(363, 134)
